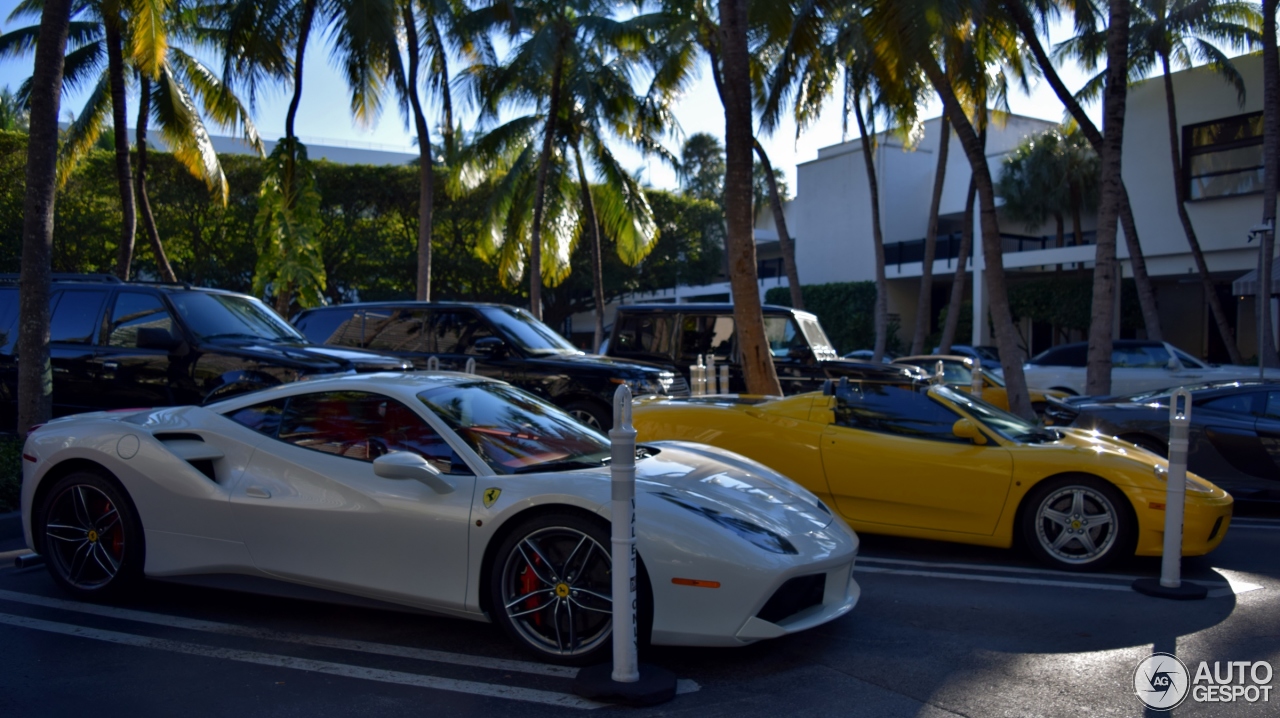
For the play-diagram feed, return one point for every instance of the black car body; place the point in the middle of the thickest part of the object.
(117, 344)
(675, 335)
(505, 342)
(1234, 434)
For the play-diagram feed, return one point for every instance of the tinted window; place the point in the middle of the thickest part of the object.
(1187, 360)
(134, 311)
(706, 335)
(262, 418)
(340, 327)
(363, 426)
(456, 332)
(1239, 404)
(1153, 356)
(1066, 355)
(397, 330)
(8, 318)
(1272, 410)
(782, 335)
(532, 336)
(76, 316)
(645, 334)
(213, 316)
(893, 410)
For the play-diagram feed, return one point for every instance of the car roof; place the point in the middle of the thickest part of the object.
(934, 357)
(100, 281)
(405, 303)
(695, 307)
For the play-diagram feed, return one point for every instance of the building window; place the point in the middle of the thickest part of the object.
(1224, 157)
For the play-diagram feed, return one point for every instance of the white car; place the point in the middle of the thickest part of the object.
(446, 492)
(1136, 366)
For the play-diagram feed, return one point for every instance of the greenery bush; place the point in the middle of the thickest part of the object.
(10, 473)
(846, 311)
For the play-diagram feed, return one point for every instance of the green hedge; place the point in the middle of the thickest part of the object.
(10, 473)
(846, 310)
(1066, 301)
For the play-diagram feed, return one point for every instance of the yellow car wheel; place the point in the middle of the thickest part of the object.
(1078, 523)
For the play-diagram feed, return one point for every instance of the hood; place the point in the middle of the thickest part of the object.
(703, 478)
(314, 358)
(1150, 467)
(608, 365)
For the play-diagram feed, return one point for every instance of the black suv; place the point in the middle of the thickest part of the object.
(506, 343)
(117, 344)
(676, 335)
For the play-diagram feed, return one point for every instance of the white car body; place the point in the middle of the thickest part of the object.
(291, 517)
(1179, 369)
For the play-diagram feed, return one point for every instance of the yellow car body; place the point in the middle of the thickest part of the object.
(993, 389)
(950, 490)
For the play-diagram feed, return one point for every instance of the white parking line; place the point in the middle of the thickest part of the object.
(992, 579)
(1254, 525)
(529, 695)
(999, 569)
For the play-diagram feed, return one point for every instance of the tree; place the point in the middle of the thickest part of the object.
(775, 189)
(701, 169)
(1181, 32)
(924, 303)
(1048, 176)
(1271, 162)
(13, 116)
(35, 376)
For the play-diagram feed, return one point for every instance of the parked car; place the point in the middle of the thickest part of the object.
(1136, 366)
(442, 492)
(675, 335)
(990, 355)
(931, 462)
(957, 373)
(1234, 437)
(869, 354)
(506, 343)
(117, 344)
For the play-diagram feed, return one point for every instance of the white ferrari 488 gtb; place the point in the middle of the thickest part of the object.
(442, 492)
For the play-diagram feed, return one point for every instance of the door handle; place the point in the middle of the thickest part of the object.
(254, 492)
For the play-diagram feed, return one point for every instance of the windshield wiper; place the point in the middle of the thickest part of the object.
(567, 465)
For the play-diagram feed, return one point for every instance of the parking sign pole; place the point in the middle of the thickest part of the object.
(1170, 583)
(621, 681)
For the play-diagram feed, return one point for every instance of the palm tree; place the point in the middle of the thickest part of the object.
(924, 302)
(13, 116)
(35, 398)
(1022, 18)
(1271, 154)
(1050, 175)
(702, 167)
(1181, 33)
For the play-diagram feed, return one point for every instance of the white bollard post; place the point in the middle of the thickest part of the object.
(975, 382)
(711, 374)
(724, 379)
(938, 373)
(433, 363)
(1170, 584)
(470, 367)
(622, 471)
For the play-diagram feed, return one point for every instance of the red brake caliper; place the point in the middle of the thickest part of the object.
(117, 535)
(529, 583)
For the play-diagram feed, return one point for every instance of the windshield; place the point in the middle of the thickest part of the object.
(515, 432)
(1187, 360)
(530, 335)
(213, 316)
(999, 420)
(818, 340)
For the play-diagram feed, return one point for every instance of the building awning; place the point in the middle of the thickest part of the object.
(1247, 285)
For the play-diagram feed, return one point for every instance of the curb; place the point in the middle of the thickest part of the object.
(10, 525)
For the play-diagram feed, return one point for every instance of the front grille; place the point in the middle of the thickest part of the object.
(674, 385)
(793, 597)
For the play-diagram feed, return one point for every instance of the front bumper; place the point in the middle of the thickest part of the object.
(1204, 524)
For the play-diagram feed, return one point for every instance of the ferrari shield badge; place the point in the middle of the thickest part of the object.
(491, 496)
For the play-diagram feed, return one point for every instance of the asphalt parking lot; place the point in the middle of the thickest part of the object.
(940, 630)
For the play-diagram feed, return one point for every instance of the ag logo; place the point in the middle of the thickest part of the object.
(1161, 681)
(491, 496)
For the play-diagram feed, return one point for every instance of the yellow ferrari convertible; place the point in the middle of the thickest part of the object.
(932, 462)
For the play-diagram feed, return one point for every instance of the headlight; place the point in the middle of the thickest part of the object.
(1195, 484)
(641, 387)
(770, 541)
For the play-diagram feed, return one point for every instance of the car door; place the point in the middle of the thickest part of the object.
(142, 375)
(312, 510)
(1144, 367)
(1267, 426)
(891, 459)
(74, 325)
(459, 334)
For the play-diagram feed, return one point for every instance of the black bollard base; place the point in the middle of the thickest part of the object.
(656, 685)
(1186, 592)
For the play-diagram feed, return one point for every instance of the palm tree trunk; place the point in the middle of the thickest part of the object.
(735, 94)
(1210, 290)
(144, 202)
(284, 295)
(1137, 261)
(924, 305)
(992, 249)
(877, 237)
(446, 96)
(539, 197)
(957, 283)
(1271, 156)
(120, 121)
(35, 376)
(1105, 282)
(784, 237)
(597, 264)
(426, 175)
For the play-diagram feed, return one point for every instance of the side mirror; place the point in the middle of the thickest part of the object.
(407, 465)
(490, 346)
(966, 429)
(800, 353)
(1173, 364)
(156, 338)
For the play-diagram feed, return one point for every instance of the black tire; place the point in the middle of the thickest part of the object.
(1155, 446)
(91, 537)
(1077, 523)
(550, 588)
(591, 414)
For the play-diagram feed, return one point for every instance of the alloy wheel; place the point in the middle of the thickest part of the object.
(556, 591)
(1076, 525)
(84, 537)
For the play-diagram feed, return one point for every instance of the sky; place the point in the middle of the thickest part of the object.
(324, 116)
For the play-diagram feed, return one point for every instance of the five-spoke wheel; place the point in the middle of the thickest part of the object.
(591, 415)
(90, 536)
(1076, 523)
(550, 588)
